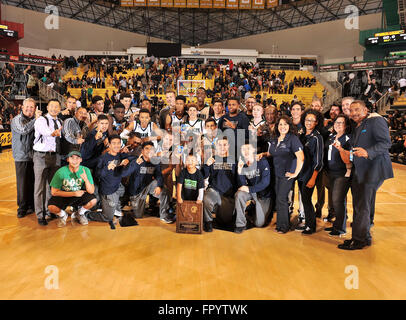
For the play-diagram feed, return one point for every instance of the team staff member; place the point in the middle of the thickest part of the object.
(22, 129)
(72, 132)
(338, 169)
(67, 190)
(222, 186)
(46, 157)
(287, 152)
(312, 142)
(296, 113)
(370, 143)
(254, 177)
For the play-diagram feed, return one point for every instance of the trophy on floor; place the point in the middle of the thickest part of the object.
(189, 217)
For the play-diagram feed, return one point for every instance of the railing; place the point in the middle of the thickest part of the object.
(6, 102)
(334, 89)
(47, 93)
(381, 104)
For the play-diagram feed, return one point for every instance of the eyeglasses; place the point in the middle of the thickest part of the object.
(339, 122)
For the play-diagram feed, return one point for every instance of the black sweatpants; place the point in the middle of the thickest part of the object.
(25, 185)
(310, 214)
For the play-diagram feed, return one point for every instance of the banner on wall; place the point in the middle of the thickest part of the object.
(5, 139)
(29, 60)
(363, 65)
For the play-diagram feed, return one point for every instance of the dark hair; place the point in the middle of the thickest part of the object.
(53, 100)
(96, 98)
(233, 98)
(114, 136)
(118, 106)
(144, 110)
(125, 95)
(299, 104)
(210, 120)
(201, 88)
(347, 122)
(133, 134)
(319, 118)
(180, 97)
(102, 117)
(147, 143)
(336, 104)
(217, 100)
(288, 120)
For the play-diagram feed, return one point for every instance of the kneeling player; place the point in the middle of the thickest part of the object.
(255, 180)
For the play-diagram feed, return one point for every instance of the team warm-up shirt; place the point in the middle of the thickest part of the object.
(110, 179)
(284, 158)
(142, 175)
(313, 147)
(257, 177)
(222, 177)
(69, 181)
(191, 183)
(240, 119)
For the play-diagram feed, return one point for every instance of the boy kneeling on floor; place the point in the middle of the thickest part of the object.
(67, 190)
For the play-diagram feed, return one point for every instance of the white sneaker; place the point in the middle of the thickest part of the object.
(83, 220)
(62, 221)
(118, 213)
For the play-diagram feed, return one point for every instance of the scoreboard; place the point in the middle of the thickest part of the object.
(391, 37)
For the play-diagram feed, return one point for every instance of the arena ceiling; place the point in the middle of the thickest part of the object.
(201, 26)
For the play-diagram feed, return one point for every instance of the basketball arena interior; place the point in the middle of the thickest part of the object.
(318, 85)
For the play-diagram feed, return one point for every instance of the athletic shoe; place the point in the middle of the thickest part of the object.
(62, 221)
(167, 220)
(300, 227)
(42, 222)
(328, 219)
(239, 229)
(208, 226)
(307, 231)
(336, 233)
(83, 220)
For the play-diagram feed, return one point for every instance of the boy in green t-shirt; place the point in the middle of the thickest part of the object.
(72, 185)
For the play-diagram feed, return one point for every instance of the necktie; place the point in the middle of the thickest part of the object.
(57, 139)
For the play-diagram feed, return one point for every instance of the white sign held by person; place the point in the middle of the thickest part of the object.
(52, 21)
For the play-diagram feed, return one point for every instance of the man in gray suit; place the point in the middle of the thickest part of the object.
(370, 141)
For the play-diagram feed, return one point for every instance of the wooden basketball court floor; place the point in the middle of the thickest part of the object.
(151, 261)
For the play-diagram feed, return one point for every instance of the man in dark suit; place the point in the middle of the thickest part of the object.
(370, 141)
